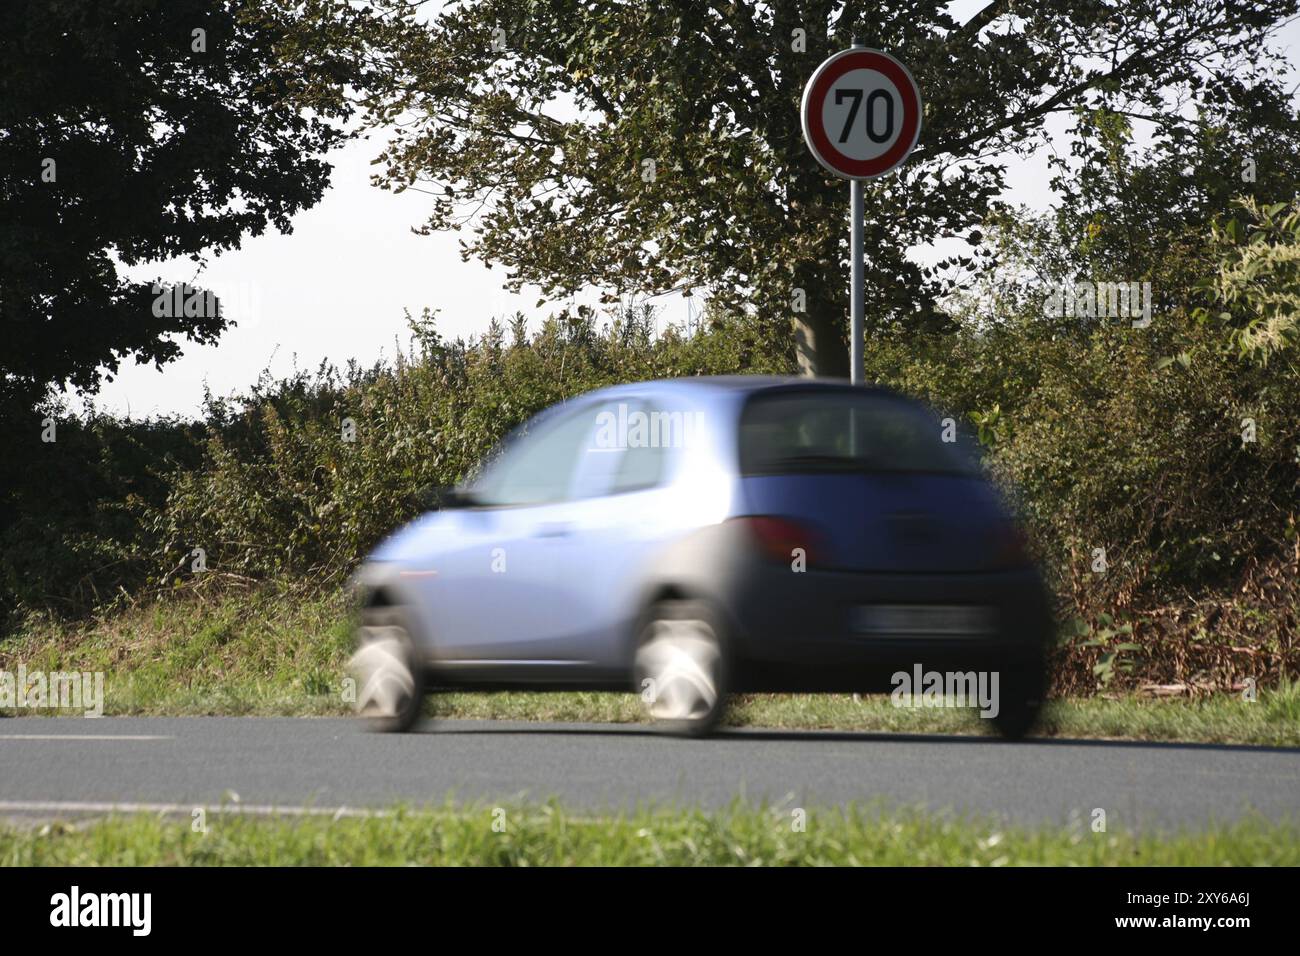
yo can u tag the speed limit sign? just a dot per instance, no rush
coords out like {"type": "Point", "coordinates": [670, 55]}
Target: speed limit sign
{"type": "Point", "coordinates": [861, 113]}
{"type": "Point", "coordinates": [861, 118]}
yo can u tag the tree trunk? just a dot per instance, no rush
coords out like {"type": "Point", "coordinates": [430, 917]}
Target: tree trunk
{"type": "Point", "coordinates": [819, 342]}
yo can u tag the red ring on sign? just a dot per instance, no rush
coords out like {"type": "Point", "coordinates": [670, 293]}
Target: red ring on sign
{"type": "Point", "coordinates": [907, 94]}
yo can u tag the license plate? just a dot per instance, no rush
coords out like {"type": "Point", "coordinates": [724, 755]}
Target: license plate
{"type": "Point", "coordinates": [946, 620]}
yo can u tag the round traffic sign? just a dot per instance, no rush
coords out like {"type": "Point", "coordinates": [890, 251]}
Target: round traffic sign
{"type": "Point", "coordinates": [861, 113]}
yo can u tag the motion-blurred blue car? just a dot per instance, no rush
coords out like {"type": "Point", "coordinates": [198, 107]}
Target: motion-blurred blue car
{"type": "Point", "coordinates": [689, 538]}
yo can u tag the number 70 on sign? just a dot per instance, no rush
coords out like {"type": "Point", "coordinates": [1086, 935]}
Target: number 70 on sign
{"type": "Point", "coordinates": [861, 113]}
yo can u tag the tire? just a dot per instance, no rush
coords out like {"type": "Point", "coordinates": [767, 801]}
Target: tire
{"type": "Point", "coordinates": [1023, 685]}
{"type": "Point", "coordinates": [681, 668]}
{"type": "Point", "coordinates": [390, 684]}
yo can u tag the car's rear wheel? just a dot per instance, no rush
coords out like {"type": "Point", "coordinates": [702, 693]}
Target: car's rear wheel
{"type": "Point", "coordinates": [390, 685]}
{"type": "Point", "coordinates": [681, 668]}
{"type": "Point", "coordinates": [1022, 687]}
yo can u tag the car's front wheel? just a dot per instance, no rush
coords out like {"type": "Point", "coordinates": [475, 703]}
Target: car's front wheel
{"type": "Point", "coordinates": [389, 682]}
{"type": "Point", "coordinates": [681, 668]}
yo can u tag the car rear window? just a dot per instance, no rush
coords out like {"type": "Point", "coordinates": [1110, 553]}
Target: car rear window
{"type": "Point", "coordinates": [840, 430]}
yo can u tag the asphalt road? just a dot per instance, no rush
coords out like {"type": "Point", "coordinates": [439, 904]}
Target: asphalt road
{"type": "Point", "coordinates": [53, 766]}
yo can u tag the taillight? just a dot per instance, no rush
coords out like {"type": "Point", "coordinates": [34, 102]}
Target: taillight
{"type": "Point", "coordinates": [783, 539]}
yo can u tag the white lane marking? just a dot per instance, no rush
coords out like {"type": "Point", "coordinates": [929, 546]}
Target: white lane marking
{"type": "Point", "coordinates": [252, 809]}
{"type": "Point", "coordinates": [83, 737]}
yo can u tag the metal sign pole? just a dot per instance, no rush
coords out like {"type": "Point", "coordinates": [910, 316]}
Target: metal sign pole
{"type": "Point", "coordinates": [857, 370]}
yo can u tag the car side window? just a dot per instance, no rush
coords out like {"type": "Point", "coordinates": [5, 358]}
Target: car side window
{"type": "Point", "coordinates": [538, 467]}
{"type": "Point", "coordinates": [624, 452]}
{"type": "Point", "coordinates": [643, 466]}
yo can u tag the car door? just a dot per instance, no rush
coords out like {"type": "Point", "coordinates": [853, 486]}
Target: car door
{"type": "Point", "coordinates": [621, 514]}
{"type": "Point", "coordinates": [493, 601]}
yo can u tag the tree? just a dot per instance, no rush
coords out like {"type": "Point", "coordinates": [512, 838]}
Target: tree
{"type": "Point", "coordinates": [1133, 209]}
{"type": "Point", "coordinates": [645, 146]}
{"type": "Point", "coordinates": [130, 131]}
{"type": "Point", "coordinates": [1130, 212]}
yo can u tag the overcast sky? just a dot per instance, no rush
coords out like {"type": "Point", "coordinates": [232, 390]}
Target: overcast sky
{"type": "Point", "coordinates": [337, 286]}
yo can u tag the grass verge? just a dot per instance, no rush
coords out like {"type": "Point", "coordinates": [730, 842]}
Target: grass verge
{"type": "Point", "coordinates": [548, 835]}
{"type": "Point", "coordinates": [281, 651]}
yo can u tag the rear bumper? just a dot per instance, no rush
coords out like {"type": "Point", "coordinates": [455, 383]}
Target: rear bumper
{"type": "Point", "coordinates": [799, 630]}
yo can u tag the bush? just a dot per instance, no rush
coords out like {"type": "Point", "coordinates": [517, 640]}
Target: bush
{"type": "Point", "coordinates": [1156, 468]}
{"type": "Point", "coordinates": [74, 511]}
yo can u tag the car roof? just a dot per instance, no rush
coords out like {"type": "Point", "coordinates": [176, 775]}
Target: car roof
{"type": "Point", "coordinates": [733, 386]}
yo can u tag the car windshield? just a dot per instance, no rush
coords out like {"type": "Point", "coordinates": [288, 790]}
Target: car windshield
{"type": "Point", "coordinates": [838, 430]}
{"type": "Point", "coordinates": [535, 463]}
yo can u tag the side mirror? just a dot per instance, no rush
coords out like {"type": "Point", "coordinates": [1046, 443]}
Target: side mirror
{"type": "Point", "coordinates": [443, 497]}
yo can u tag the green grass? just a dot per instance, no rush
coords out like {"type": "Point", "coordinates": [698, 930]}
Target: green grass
{"type": "Point", "coordinates": [262, 652]}
{"type": "Point", "coordinates": [548, 835]}
{"type": "Point", "coordinates": [281, 651]}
